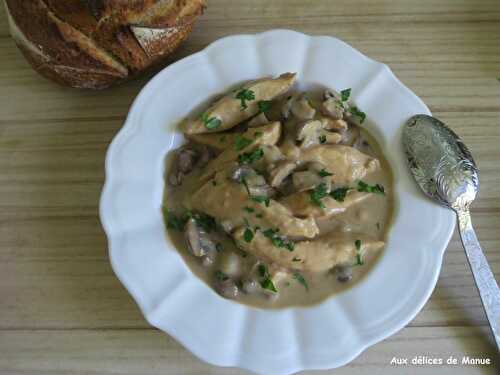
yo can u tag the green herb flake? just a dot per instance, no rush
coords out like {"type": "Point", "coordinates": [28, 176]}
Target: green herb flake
{"type": "Point", "coordinates": [174, 222]}
{"type": "Point", "coordinates": [214, 183]}
{"type": "Point", "coordinates": [258, 134]}
{"type": "Point", "coordinates": [339, 194]}
{"type": "Point", "coordinates": [264, 105]}
{"type": "Point", "coordinates": [297, 276]}
{"type": "Point", "coordinates": [358, 113]}
{"type": "Point", "coordinates": [210, 122]}
{"type": "Point", "coordinates": [248, 235]}
{"type": "Point", "coordinates": [204, 221]}
{"type": "Point", "coordinates": [345, 94]}
{"type": "Point", "coordinates": [242, 142]}
{"type": "Point", "coordinates": [259, 216]}
{"type": "Point", "coordinates": [245, 95]}
{"type": "Point", "coordinates": [322, 139]}
{"type": "Point", "coordinates": [250, 157]}
{"type": "Point", "coordinates": [324, 173]}
{"type": "Point", "coordinates": [249, 209]}
{"type": "Point", "coordinates": [359, 256]}
{"type": "Point", "coordinates": [318, 194]}
{"type": "Point", "coordinates": [277, 240]}
{"type": "Point", "coordinates": [219, 247]}
{"type": "Point", "coordinates": [378, 226]}
{"type": "Point", "coordinates": [262, 270]}
{"type": "Point", "coordinates": [269, 285]}
{"type": "Point", "coordinates": [223, 138]}
{"type": "Point", "coordinates": [261, 199]}
{"type": "Point", "coordinates": [366, 188]}
{"type": "Point", "coordinates": [221, 276]}
{"type": "Point", "coordinates": [296, 259]}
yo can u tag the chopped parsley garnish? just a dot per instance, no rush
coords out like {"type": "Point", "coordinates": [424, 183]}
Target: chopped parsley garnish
{"type": "Point", "coordinates": [261, 199]}
{"type": "Point", "coordinates": [297, 276]}
{"type": "Point", "coordinates": [174, 222]}
{"type": "Point", "coordinates": [264, 105]}
{"type": "Point", "coordinates": [219, 247]}
{"type": "Point", "coordinates": [210, 122]}
{"type": "Point", "coordinates": [214, 182]}
{"type": "Point", "coordinates": [248, 235]}
{"type": "Point", "coordinates": [267, 282]}
{"type": "Point", "coordinates": [219, 275]}
{"type": "Point", "coordinates": [358, 113]}
{"type": "Point", "coordinates": [262, 270]}
{"type": "Point", "coordinates": [345, 94]}
{"type": "Point", "coordinates": [322, 139]}
{"type": "Point", "coordinates": [365, 188]}
{"type": "Point", "coordinates": [324, 173]}
{"type": "Point", "coordinates": [205, 221]}
{"type": "Point", "coordinates": [250, 157]}
{"type": "Point", "coordinates": [259, 216]}
{"type": "Point", "coordinates": [339, 194]}
{"type": "Point", "coordinates": [242, 142]}
{"type": "Point", "coordinates": [269, 285]}
{"type": "Point", "coordinates": [277, 240]}
{"type": "Point", "coordinates": [249, 209]}
{"type": "Point", "coordinates": [245, 95]}
{"type": "Point", "coordinates": [318, 194]}
{"type": "Point", "coordinates": [296, 259]}
{"type": "Point", "coordinates": [359, 256]}
{"type": "Point", "coordinates": [258, 134]}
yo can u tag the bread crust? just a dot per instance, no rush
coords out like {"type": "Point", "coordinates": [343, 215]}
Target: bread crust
{"type": "Point", "coordinates": [86, 45]}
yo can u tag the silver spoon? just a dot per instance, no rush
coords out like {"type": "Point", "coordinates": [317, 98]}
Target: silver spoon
{"type": "Point", "coordinates": [445, 170]}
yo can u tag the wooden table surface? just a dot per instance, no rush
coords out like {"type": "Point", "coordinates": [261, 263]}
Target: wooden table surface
{"type": "Point", "coordinates": [62, 310]}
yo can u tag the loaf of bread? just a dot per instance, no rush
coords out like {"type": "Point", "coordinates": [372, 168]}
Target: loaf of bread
{"type": "Point", "coordinates": [98, 43]}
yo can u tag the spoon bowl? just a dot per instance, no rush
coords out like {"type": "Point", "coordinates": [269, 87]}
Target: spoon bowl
{"type": "Point", "coordinates": [446, 172]}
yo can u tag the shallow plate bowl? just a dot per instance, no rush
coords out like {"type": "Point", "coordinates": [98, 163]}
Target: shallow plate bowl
{"type": "Point", "coordinates": [225, 333]}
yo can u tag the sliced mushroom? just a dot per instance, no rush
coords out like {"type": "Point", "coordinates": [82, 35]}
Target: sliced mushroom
{"type": "Point", "coordinates": [306, 180]}
{"type": "Point", "coordinates": [251, 286]}
{"type": "Point", "coordinates": [302, 108]}
{"type": "Point", "coordinates": [206, 154]}
{"type": "Point", "coordinates": [175, 177]}
{"type": "Point", "coordinates": [227, 288]}
{"type": "Point", "coordinates": [259, 120]}
{"type": "Point", "coordinates": [230, 264]}
{"type": "Point", "coordinates": [333, 105]}
{"type": "Point", "coordinates": [331, 124]}
{"type": "Point", "coordinates": [199, 243]}
{"type": "Point", "coordinates": [350, 136]}
{"type": "Point", "coordinates": [278, 174]}
{"type": "Point", "coordinates": [272, 154]}
{"type": "Point", "coordinates": [242, 172]}
{"type": "Point", "coordinates": [344, 273]}
{"type": "Point", "coordinates": [286, 109]}
{"type": "Point", "coordinates": [186, 160]}
{"type": "Point", "coordinates": [311, 133]}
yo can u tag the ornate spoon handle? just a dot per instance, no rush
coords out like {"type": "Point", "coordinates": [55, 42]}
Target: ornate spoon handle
{"type": "Point", "coordinates": [485, 280]}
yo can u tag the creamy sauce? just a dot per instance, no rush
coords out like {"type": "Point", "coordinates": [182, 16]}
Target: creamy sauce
{"type": "Point", "coordinates": [370, 218]}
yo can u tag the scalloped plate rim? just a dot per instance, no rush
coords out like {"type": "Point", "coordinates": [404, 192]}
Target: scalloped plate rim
{"type": "Point", "coordinates": [126, 131]}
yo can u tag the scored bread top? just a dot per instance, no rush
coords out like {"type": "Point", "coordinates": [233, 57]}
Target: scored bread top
{"type": "Point", "coordinates": [99, 37]}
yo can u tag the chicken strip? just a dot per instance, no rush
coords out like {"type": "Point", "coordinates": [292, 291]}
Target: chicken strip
{"type": "Point", "coordinates": [318, 255]}
{"type": "Point", "coordinates": [248, 141]}
{"type": "Point", "coordinates": [239, 105]}
{"type": "Point", "coordinates": [346, 163]}
{"type": "Point", "coordinates": [229, 201]}
{"type": "Point", "coordinates": [300, 204]}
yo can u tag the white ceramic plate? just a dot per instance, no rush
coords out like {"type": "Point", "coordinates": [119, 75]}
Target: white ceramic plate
{"type": "Point", "coordinates": [225, 333]}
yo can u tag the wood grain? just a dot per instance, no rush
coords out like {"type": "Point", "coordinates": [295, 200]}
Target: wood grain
{"type": "Point", "coordinates": [148, 352]}
{"type": "Point", "coordinates": [62, 310]}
